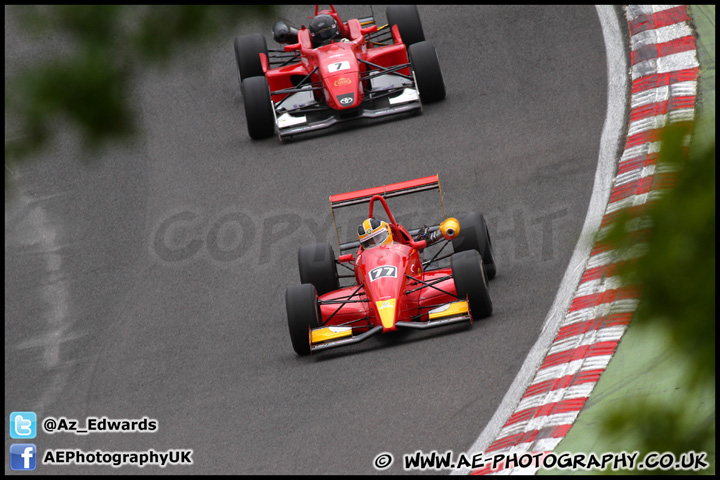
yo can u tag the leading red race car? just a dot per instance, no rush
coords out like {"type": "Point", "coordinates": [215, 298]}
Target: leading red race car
{"type": "Point", "coordinates": [393, 287]}
{"type": "Point", "coordinates": [334, 71]}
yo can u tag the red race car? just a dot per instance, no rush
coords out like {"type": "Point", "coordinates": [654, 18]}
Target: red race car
{"type": "Point", "coordinates": [393, 288]}
{"type": "Point", "coordinates": [334, 71]}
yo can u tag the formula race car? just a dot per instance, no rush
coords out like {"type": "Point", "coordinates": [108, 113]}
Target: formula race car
{"type": "Point", "coordinates": [393, 288]}
{"type": "Point", "coordinates": [335, 71]}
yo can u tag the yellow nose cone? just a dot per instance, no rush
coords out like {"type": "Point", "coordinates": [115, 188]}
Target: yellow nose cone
{"type": "Point", "coordinates": [450, 228]}
{"type": "Point", "coordinates": [386, 309]}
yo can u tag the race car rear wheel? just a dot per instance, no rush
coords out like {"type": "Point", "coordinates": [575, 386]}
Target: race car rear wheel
{"type": "Point", "coordinates": [258, 107]}
{"type": "Point", "coordinates": [471, 281]}
{"type": "Point", "coordinates": [428, 75]}
{"type": "Point", "coordinates": [407, 18]}
{"type": "Point", "coordinates": [247, 50]}
{"type": "Point", "coordinates": [474, 235]}
{"type": "Point", "coordinates": [303, 313]}
{"type": "Point", "coordinates": [317, 266]}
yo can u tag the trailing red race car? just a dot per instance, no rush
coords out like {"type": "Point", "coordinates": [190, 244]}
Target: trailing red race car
{"type": "Point", "coordinates": [335, 71]}
{"type": "Point", "coordinates": [393, 287]}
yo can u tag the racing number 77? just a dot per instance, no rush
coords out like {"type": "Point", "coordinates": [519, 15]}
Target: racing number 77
{"type": "Point", "coordinates": [384, 271]}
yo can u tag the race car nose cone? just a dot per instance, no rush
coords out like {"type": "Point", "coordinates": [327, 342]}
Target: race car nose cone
{"type": "Point", "coordinates": [346, 100]}
{"type": "Point", "coordinates": [386, 310]}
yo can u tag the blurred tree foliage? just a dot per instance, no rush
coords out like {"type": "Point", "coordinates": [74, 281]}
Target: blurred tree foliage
{"type": "Point", "coordinates": [676, 273]}
{"type": "Point", "coordinates": [87, 85]}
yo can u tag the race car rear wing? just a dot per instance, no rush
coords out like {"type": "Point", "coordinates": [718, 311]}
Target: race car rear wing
{"type": "Point", "coordinates": [386, 191]}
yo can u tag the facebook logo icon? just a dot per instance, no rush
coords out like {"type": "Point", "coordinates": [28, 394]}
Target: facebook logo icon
{"type": "Point", "coordinates": [23, 425]}
{"type": "Point", "coordinates": [23, 456]}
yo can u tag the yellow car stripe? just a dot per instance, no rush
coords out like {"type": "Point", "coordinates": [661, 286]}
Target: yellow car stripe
{"type": "Point", "coordinates": [449, 310]}
{"type": "Point", "coordinates": [324, 334]}
{"type": "Point", "coordinates": [386, 309]}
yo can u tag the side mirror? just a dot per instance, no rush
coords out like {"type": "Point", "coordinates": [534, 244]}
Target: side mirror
{"type": "Point", "coordinates": [348, 257]}
{"type": "Point", "coordinates": [284, 34]}
{"type": "Point", "coordinates": [450, 228]}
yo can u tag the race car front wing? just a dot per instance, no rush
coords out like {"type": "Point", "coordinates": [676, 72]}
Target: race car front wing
{"type": "Point", "coordinates": [391, 93]}
{"type": "Point", "coordinates": [325, 337]}
{"type": "Point", "coordinates": [290, 123]}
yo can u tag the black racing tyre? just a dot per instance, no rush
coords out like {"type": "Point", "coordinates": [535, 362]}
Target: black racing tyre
{"type": "Point", "coordinates": [428, 75]}
{"type": "Point", "coordinates": [317, 266]}
{"type": "Point", "coordinates": [471, 281]}
{"type": "Point", "coordinates": [247, 50]}
{"type": "Point", "coordinates": [258, 107]}
{"type": "Point", "coordinates": [303, 313]}
{"type": "Point", "coordinates": [407, 18]}
{"type": "Point", "coordinates": [474, 235]}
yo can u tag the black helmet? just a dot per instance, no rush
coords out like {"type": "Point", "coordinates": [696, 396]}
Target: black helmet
{"type": "Point", "coordinates": [322, 29]}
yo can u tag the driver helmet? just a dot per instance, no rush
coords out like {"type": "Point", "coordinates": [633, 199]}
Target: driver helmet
{"type": "Point", "coordinates": [322, 29]}
{"type": "Point", "coordinates": [374, 232]}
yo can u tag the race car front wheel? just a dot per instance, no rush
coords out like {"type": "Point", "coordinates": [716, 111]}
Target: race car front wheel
{"type": "Point", "coordinates": [428, 75]}
{"type": "Point", "coordinates": [247, 55]}
{"type": "Point", "coordinates": [303, 313]}
{"type": "Point", "coordinates": [317, 266]}
{"type": "Point", "coordinates": [470, 280]}
{"type": "Point", "coordinates": [258, 107]}
{"type": "Point", "coordinates": [407, 18]}
{"type": "Point", "coordinates": [474, 235]}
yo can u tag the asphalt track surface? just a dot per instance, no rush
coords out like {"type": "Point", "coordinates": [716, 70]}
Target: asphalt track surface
{"type": "Point", "coordinates": [151, 283]}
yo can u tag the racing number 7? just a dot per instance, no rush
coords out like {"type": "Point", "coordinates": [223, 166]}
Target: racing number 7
{"type": "Point", "coordinates": [336, 67]}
